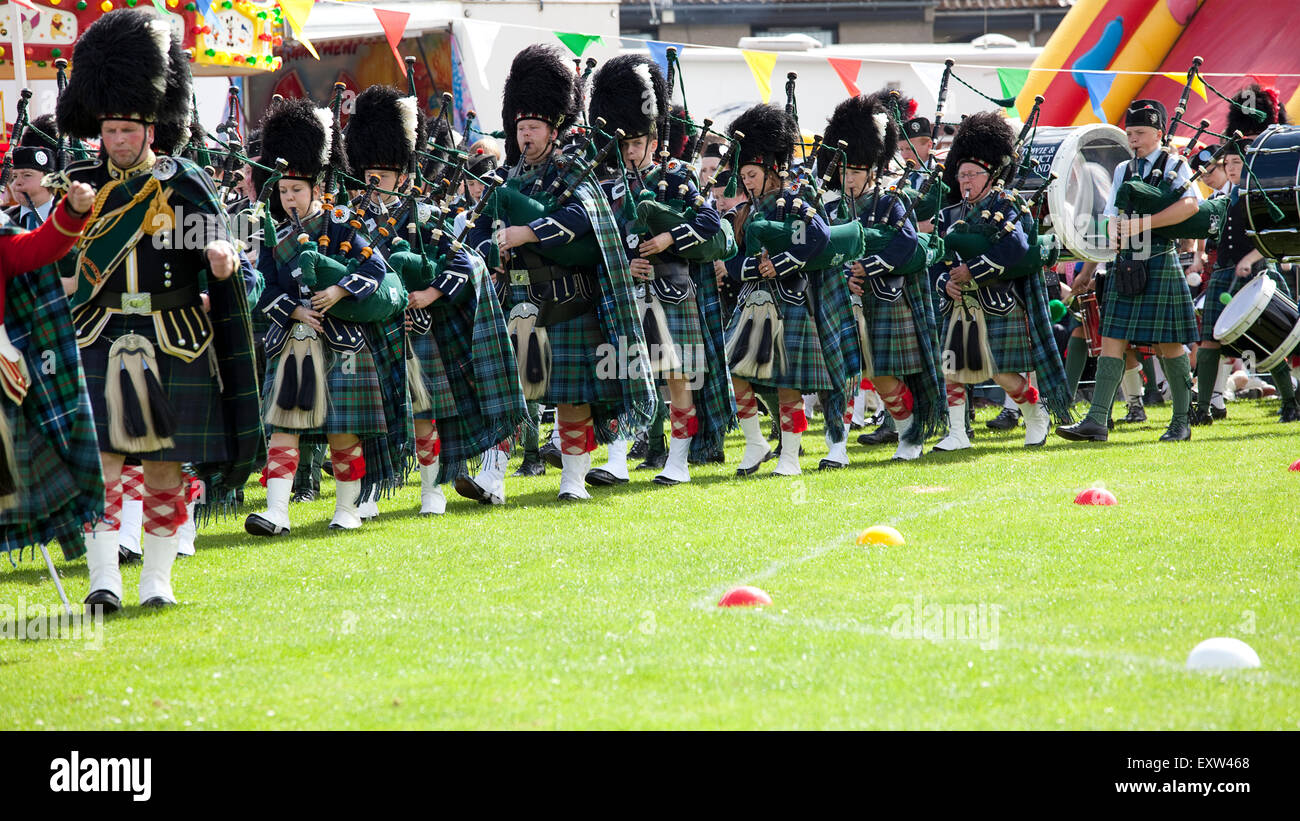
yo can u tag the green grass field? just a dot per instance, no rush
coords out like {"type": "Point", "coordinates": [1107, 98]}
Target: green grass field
{"type": "Point", "coordinates": [602, 615]}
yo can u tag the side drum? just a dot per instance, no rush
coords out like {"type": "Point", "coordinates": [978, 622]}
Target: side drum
{"type": "Point", "coordinates": [1274, 177]}
{"type": "Point", "coordinates": [1262, 320]}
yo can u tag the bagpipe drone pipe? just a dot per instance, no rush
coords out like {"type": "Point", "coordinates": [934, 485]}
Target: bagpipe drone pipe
{"type": "Point", "coordinates": [519, 201]}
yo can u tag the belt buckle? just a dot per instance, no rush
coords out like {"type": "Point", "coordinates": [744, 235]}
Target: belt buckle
{"type": "Point", "coordinates": [519, 276]}
{"type": "Point", "coordinates": [137, 303]}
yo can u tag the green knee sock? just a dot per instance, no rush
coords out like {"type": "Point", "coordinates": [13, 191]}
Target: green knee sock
{"type": "Point", "coordinates": [655, 444]}
{"type": "Point", "coordinates": [1207, 372]}
{"type": "Point", "coordinates": [1149, 370]}
{"type": "Point", "coordinates": [1110, 370]}
{"type": "Point", "coordinates": [531, 432]}
{"type": "Point", "coordinates": [1179, 373]}
{"type": "Point", "coordinates": [1076, 359]}
{"type": "Point", "coordinates": [1282, 378]}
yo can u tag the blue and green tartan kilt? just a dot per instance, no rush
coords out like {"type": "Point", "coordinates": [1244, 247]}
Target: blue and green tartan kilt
{"type": "Point", "coordinates": [1009, 341]}
{"type": "Point", "coordinates": [1226, 281]}
{"type": "Point", "coordinates": [687, 334]}
{"type": "Point", "coordinates": [190, 386]}
{"type": "Point", "coordinates": [895, 349]}
{"type": "Point", "coordinates": [425, 349]}
{"type": "Point", "coordinates": [1162, 313]}
{"type": "Point", "coordinates": [355, 400]}
{"type": "Point", "coordinates": [576, 364]}
{"type": "Point", "coordinates": [805, 366]}
{"type": "Point", "coordinates": [44, 482]}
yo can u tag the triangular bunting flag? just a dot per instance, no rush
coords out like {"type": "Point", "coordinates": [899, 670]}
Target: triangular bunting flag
{"type": "Point", "coordinates": [296, 13]}
{"type": "Point", "coordinates": [481, 36]}
{"type": "Point", "coordinates": [659, 52]}
{"type": "Point", "coordinates": [761, 64]}
{"type": "Point", "coordinates": [1098, 85]}
{"type": "Point", "coordinates": [1198, 85]}
{"type": "Point", "coordinates": [848, 70]}
{"type": "Point", "coordinates": [1012, 80]}
{"type": "Point", "coordinates": [394, 24]}
{"type": "Point", "coordinates": [577, 43]}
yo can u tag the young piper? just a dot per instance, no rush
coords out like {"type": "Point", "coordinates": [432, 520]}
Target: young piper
{"type": "Point", "coordinates": [898, 311]}
{"type": "Point", "coordinates": [1157, 311]}
{"type": "Point", "coordinates": [773, 337]}
{"type": "Point", "coordinates": [629, 93]}
{"type": "Point", "coordinates": [325, 374]}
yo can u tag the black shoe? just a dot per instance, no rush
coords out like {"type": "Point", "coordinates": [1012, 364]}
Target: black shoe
{"type": "Point", "coordinates": [639, 447]}
{"type": "Point", "coordinates": [654, 461]}
{"type": "Point", "coordinates": [257, 525]}
{"type": "Point", "coordinates": [601, 478]}
{"type": "Point", "coordinates": [1290, 412]}
{"type": "Point", "coordinates": [157, 602]}
{"type": "Point", "coordinates": [1218, 413]}
{"type": "Point", "coordinates": [830, 464]}
{"type": "Point", "coordinates": [530, 467]}
{"type": "Point", "coordinates": [1083, 431]}
{"type": "Point", "coordinates": [1199, 417]}
{"type": "Point", "coordinates": [327, 468]}
{"type": "Point", "coordinates": [1006, 420]}
{"type": "Point", "coordinates": [466, 486]}
{"type": "Point", "coordinates": [775, 435]}
{"type": "Point", "coordinates": [125, 556]}
{"type": "Point", "coordinates": [717, 457]}
{"type": "Point", "coordinates": [776, 452]}
{"type": "Point", "coordinates": [551, 455]}
{"type": "Point", "coordinates": [103, 601]}
{"type": "Point", "coordinates": [1177, 432]}
{"type": "Point", "coordinates": [304, 495]}
{"type": "Point", "coordinates": [881, 436]}
{"type": "Point", "coordinates": [1136, 413]}
{"type": "Point", "coordinates": [1153, 397]}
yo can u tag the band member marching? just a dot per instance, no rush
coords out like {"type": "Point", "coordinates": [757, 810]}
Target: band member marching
{"type": "Point", "coordinates": [629, 93]}
{"type": "Point", "coordinates": [51, 485]}
{"type": "Point", "coordinates": [328, 377]}
{"type": "Point", "coordinates": [1237, 259]}
{"type": "Point", "coordinates": [773, 341]}
{"type": "Point", "coordinates": [170, 382]}
{"type": "Point", "coordinates": [383, 134]}
{"type": "Point", "coordinates": [1146, 298]}
{"type": "Point", "coordinates": [1008, 313]}
{"type": "Point", "coordinates": [577, 335]}
{"type": "Point", "coordinates": [898, 311]}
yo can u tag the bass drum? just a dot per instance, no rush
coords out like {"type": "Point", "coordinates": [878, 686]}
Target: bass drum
{"type": "Point", "coordinates": [1274, 162]}
{"type": "Point", "coordinates": [1084, 159]}
{"type": "Point", "coordinates": [1262, 319]}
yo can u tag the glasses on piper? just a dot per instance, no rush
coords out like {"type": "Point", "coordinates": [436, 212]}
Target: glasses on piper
{"type": "Point", "coordinates": [971, 175]}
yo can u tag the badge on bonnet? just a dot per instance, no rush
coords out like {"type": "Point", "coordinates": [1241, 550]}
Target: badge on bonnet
{"type": "Point", "coordinates": [42, 158]}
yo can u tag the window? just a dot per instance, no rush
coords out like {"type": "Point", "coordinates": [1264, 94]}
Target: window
{"type": "Point", "coordinates": [826, 35]}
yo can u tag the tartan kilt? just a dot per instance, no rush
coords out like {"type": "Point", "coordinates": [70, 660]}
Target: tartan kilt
{"type": "Point", "coordinates": [1009, 341]}
{"type": "Point", "coordinates": [44, 485]}
{"type": "Point", "coordinates": [425, 349]}
{"type": "Point", "coordinates": [1160, 314]}
{"type": "Point", "coordinates": [1226, 281]}
{"type": "Point", "coordinates": [354, 399]}
{"type": "Point", "coordinates": [805, 366]}
{"type": "Point", "coordinates": [200, 422]}
{"type": "Point", "coordinates": [895, 349]}
{"type": "Point", "coordinates": [687, 333]}
{"type": "Point", "coordinates": [575, 364]}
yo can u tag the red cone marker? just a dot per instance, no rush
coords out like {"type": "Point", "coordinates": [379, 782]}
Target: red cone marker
{"type": "Point", "coordinates": [1095, 496]}
{"type": "Point", "coordinates": [744, 596]}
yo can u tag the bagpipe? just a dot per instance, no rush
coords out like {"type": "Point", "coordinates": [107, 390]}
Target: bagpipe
{"type": "Point", "coordinates": [1139, 197]}
{"type": "Point", "coordinates": [16, 135]}
{"type": "Point", "coordinates": [520, 202]}
{"type": "Point", "coordinates": [325, 263]}
{"type": "Point", "coordinates": [656, 209]}
{"type": "Point", "coordinates": [974, 236]}
{"type": "Point", "coordinates": [926, 202]}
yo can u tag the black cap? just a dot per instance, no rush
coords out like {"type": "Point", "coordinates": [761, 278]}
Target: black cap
{"type": "Point", "coordinates": [918, 127]}
{"type": "Point", "coordinates": [1149, 113]}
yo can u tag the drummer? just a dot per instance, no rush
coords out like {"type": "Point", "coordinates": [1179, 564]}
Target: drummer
{"type": "Point", "coordinates": [1159, 310]}
{"type": "Point", "coordinates": [1238, 261]}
